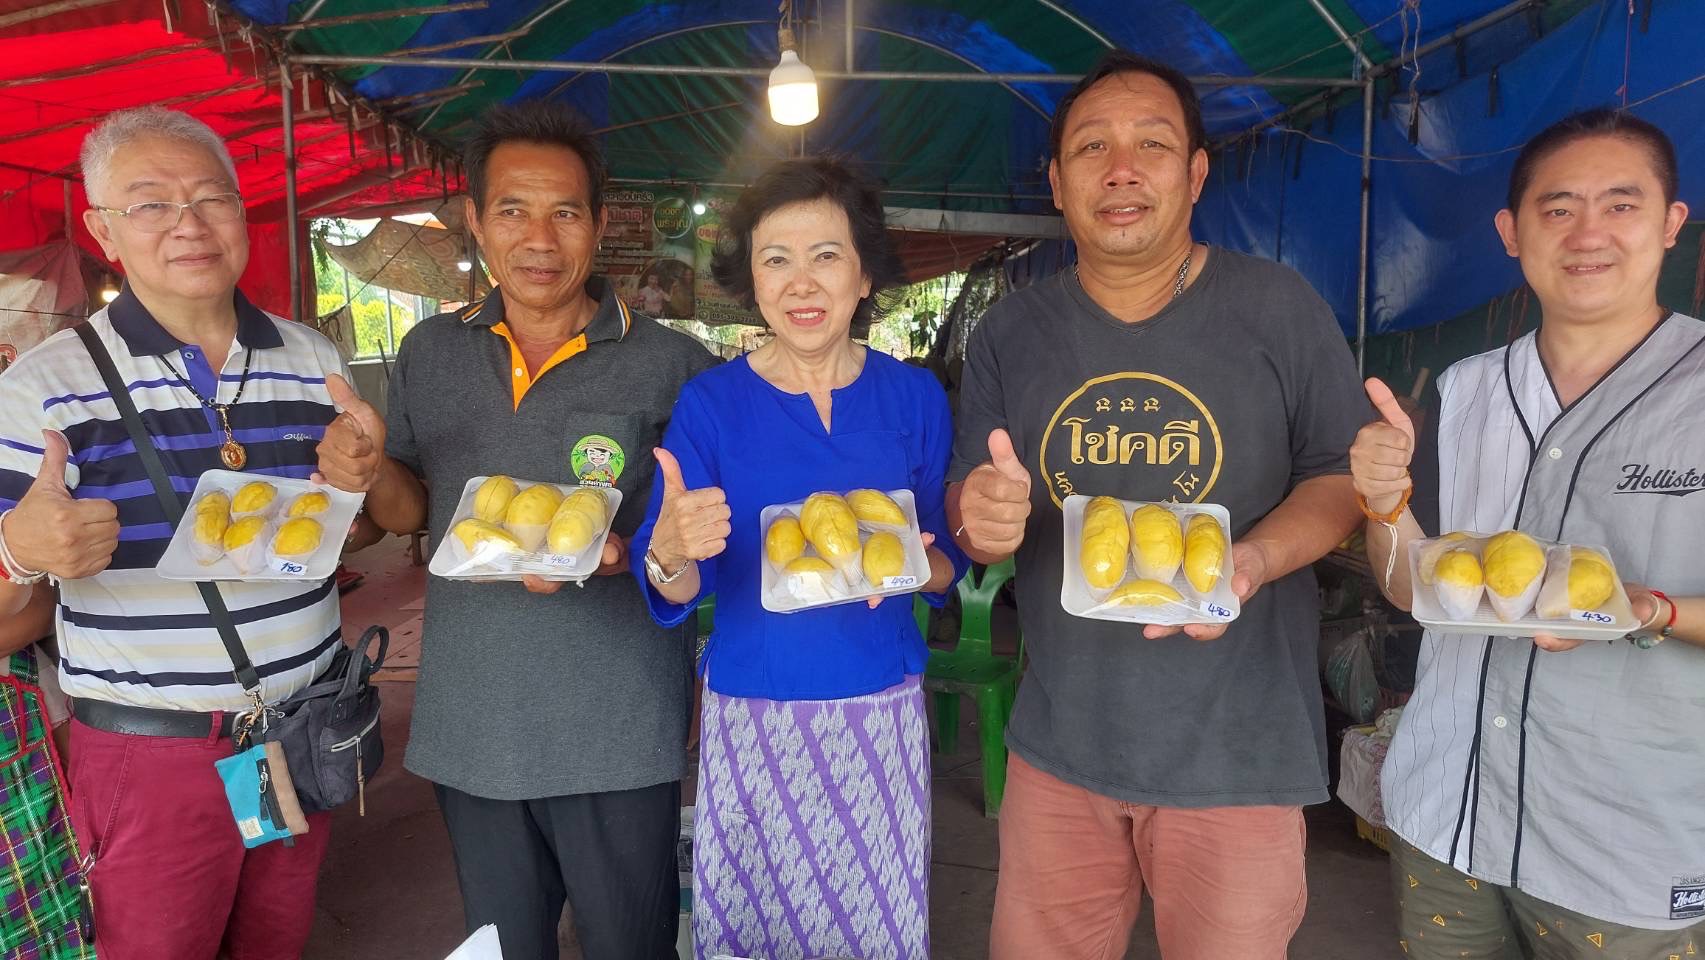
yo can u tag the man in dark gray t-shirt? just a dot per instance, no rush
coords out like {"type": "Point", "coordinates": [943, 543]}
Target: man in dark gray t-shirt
{"type": "Point", "coordinates": [1160, 370]}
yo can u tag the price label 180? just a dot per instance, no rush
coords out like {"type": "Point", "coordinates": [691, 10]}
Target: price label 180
{"type": "Point", "coordinates": [1592, 616]}
{"type": "Point", "coordinates": [290, 567]}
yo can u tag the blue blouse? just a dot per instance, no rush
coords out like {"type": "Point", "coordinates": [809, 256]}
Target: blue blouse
{"type": "Point", "coordinates": [733, 429]}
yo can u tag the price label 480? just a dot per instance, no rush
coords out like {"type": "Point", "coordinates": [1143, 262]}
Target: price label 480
{"type": "Point", "coordinates": [1215, 610]}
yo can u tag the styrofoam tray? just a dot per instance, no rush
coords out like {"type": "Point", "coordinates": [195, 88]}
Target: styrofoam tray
{"type": "Point", "coordinates": [452, 561]}
{"type": "Point", "coordinates": [179, 562]}
{"type": "Point", "coordinates": [1612, 620]}
{"type": "Point", "coordinates": [782, 594]}
{"type": "Point", "coordinates": [1219, 605]}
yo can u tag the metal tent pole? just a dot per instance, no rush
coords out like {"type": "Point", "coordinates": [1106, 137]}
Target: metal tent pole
{"type": "Point", "coordinates": [695, 70]}
{"type": "Point", "coordinates": [295, 252]}
{"type": "Point", "coordinates": [1367, 202]}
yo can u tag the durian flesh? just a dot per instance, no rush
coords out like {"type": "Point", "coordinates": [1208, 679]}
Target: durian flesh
{"type": "Point", "coordinates": [1204, 552]}
{"type": "Point", "coordinates": [874, 506]}
{"type": "Point", "coordinates": [884, 556]}
{"type": "Point", "coordinates": [297, 537]}
{"type": "Point", "coordinates": [1157, 542]}
{"type": "Point", "coordinates": [491, 500]}
{"type": "Point", "coordinates": [1103, 545]}
{"type": "Point", "coordinates": [1143, 592]}
{"type": "Point", "coordinates": [784, 542]}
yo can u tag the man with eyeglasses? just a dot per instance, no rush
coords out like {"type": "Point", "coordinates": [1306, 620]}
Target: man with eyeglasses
{"type": "Point", "coordinates": [219, 384]}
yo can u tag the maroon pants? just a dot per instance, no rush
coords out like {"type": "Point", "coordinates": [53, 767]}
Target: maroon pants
{"type": "Point", "coordinates": [171, 877]}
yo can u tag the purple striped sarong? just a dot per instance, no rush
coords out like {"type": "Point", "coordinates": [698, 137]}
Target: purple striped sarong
{"type": "Point", "coordinates": [811, 833]}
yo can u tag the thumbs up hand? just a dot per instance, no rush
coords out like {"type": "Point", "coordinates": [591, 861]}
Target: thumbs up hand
{"type": "Point", "coordinates": [52, 531]}
{"type": "Point", "coordinates": [1379, 459]}
{"type": "Point", "coordinates": [353, 447]}
{"type": "Point", "coordinates": [995, 501]}
{"type": "Point", "coordinates": [691, 524]}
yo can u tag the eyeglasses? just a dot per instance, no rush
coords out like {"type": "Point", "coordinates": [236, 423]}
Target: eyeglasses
{"type": "Point", "coordinates": [158, 216]}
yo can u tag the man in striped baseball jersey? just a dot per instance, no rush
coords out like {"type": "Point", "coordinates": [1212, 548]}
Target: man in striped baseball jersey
{"type": "Point", "coordinates": [1546, 793]}
{"type": "Point", "coordinates": [151, 684]}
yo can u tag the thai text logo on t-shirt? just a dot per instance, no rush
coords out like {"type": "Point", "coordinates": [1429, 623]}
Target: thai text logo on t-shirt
{"type": "Point", "coordinates": [1135, 435]}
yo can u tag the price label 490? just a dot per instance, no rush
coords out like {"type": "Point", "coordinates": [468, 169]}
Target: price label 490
{"type": "Point", "coordinates": [1592, 616]}
{"type": "Point", "coordinates": [895, 583]}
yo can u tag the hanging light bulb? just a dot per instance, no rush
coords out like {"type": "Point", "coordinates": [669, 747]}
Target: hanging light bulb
{"type": "Point", "coordinates": [698, 208]}
{"type": "Point", "coordinates": [793, 87]}
{"type": "Point", "coordinates": [464, 266]}
{"type": "Point", "coordinates": [109, 293]}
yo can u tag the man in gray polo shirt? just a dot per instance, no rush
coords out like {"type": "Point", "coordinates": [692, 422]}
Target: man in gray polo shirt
{"type": "Point", "coordinates": [553, 722]}
{"type": "Point", "coordinates": [1549, 795]}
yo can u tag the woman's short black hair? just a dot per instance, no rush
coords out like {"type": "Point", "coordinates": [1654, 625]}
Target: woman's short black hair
{"type": "Point", "coordinates": [1598, 122]}
{"type": "Point", "coordinates": [1117, 62]}
{"type": "Point", "coordinates": [802, 181]}
{"type": "Point", "coordinates": [547, 122]}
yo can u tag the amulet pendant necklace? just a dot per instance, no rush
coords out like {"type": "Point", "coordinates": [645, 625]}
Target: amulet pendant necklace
{"type": "Point", "coordinates": [231, 453]}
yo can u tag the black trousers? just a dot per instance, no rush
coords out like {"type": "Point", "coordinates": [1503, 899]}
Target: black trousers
{"type": "Point", "coordinates": [610, 855]}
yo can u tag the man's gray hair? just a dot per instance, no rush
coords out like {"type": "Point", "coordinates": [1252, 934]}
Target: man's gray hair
{"type": "Point", "coordinates": [122, 128]}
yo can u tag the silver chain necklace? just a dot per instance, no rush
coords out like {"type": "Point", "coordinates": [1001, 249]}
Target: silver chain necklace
{"type": "Point", "coordinates": [1177, 285]}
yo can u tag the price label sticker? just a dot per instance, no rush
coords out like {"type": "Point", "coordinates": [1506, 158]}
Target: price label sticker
{"type": "Point", "coordinates": [896, 583]}
{"type": "Point", "coordinates": [1592, 616]}
{"type": "Point", "coordinates": [564, 561]}
{"type": "Point", "coordinates": [1215, 610]}
{"type": "Point", "coordinates": [290, 567]}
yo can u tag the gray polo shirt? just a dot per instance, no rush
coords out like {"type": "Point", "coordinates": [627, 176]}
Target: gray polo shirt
{"type": "Point", "coordinates": [520, 695]}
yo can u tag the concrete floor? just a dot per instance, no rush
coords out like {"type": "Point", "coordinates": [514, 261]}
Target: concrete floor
{"type": "Point", "coordinates": [388, 890]}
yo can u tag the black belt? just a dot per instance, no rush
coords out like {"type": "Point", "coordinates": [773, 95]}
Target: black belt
{"type": "Point", "coordinates": [146, 722]}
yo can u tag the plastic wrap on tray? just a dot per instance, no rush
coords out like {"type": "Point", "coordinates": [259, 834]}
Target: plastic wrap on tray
{"type": "Point", "coordinates": [239, 526]}
{"type": "Point", "coordinates": [504, 529]}
{"type": "Point", "coordinates": [836, 548]}
{"type": "Point", "coordinates": [1160, 563]}
{"type": "Point", "coordinates": [1513, 584]}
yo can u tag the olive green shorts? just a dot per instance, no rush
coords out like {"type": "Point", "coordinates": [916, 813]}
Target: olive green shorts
{"type": "Point", "coordinates": [1444, 914]}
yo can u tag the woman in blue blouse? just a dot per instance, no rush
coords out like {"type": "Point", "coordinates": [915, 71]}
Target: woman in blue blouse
{"type": "Point", "coordinates": [811, 835]}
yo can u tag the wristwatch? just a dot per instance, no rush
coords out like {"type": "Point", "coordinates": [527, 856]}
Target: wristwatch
{"type": "Point", "coordinates": [654, 569]}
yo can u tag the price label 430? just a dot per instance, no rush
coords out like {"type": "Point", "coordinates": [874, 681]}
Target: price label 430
{"type": "Point", "coordinates": [1592, 616]}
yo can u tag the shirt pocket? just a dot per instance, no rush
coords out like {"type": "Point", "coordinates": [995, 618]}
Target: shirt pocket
{"type": "Point", "coordinates": [611, 449]}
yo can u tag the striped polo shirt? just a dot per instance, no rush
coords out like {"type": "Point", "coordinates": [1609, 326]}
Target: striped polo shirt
{"type": "Point", "coordinates": [125, 634]}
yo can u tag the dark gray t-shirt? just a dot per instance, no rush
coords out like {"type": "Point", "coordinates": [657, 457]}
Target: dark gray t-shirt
{"type": "Point", "coordinates": [1233, 394]}
{"type": "Point", "coordinates": [521, 695]}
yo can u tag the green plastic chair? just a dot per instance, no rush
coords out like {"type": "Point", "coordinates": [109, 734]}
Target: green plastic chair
{"type": "Point", "coordinates": [972, 669]}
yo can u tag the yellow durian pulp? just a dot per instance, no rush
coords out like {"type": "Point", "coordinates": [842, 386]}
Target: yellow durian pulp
{"type": "Point", "coordinates": [1204, 552]}
{"type": "Point", "coordinates": [1157, 542]}
{"type": "Point", "coordinates": [297, 537]}
{"type": "Point", "coordinates": [1105, 540]}
{"type": "Point", "coordinates": [874, 506]}
{"type": "Point", "coordinates": [1144, 593]}
{"type": "Point", "coordinates": [242, 533]}
{"type": "Point", "coordinates": [1592, 580]}
{"type": "Point", "coordinates": [884, 556]}
{"type": "Point", "coordinates": [491, 500]}
{"type": "Point", "coordinates": [310, 504]}
{"type": "Point", "coordinates": [1512, 561]}
{"type": "Point", "coordinates": [532, 507]}
{"type": "Point", "coordinates": [474, 532]}
{"type": "Point", "coordinates": [253, 496]}
{"type": "Point", "coordinates": [784, 541]}
{"type": "Point", "coordinates": [830, 526]}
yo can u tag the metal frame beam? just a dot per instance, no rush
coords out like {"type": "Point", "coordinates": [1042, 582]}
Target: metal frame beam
{"type": "Point", "coordinates": [656, 69]}
{"type": "Point", "coordinates": [965, 221]}
{"type": "Point", "coordinates": [382, 15]}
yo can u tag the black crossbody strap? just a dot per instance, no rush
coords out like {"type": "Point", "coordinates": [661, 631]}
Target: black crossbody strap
{"type": "Point", "coordinates": [242, 668]}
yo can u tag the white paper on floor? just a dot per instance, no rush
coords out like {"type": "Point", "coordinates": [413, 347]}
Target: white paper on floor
{"type": "Point", "coordinates": [483, 945]}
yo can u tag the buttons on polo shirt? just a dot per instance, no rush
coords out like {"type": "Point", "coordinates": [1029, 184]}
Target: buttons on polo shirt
{"type": "Point", "coordinates": [1555, 453]}
{"type": "Point", "coordinates": [519, 372]}
{"type": "Point", "coordinates": [1500, 722]}
{"type": "Point", "coordinates": [189, 354]}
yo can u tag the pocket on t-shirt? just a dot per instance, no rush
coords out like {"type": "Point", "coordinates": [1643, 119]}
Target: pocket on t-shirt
{"type": "Point", "coordinates": [610, 449]}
